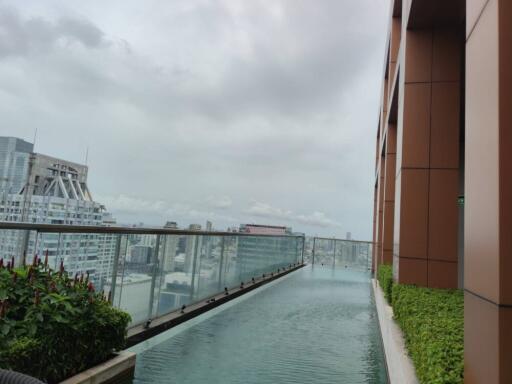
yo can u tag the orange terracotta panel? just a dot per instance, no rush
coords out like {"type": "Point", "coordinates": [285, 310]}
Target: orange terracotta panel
{"type": "Point", "coordinates": [396, 218]}
{"type": "Point", "coordinates": [396, 29]}
{"type": "Point", "coordinates": [391, 139]}
{"type": "Point", "coordinates": [387, 256]}
{"type": "Point", "coordinates": [446, 54]}
{"type": "Point", "coordinates": [445, 125]}
{"type": "Point", "coordinates": [416, 126]}
{"type": "Point", "coordinates": [387, 229]}
{"type": "Point", "coordinates": [443, 214]}
{"type": "Point", "coordinates": [481, 210]}
{"type": "Point", "coordinates": [413, 225]}
{"type": "Point", "coordinates": [389, 189]}
{"type": "Point", "coordinates": [505, 344]}
{"type": "Point", "coordinates": [391, 77]}
{"type": "Point", "coordinates": [412, 271]}
{"type": "Point", "coordinates": [481, 341]}
{"type": "Point", "coordinates": [442, 274]}
{"type": "Point", "coordinates": [418, 56]}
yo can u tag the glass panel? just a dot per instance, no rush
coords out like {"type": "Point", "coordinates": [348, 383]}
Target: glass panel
{"type": "Point", "coordinates": [150, 275]}
{"type": "Point", "coordinates": [135, 275]}
{"type": "Point", "coordinates": [175, 275]}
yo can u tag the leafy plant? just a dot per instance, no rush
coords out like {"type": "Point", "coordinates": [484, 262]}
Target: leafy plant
{"type": "Point", "coordinates": [432, 321]}
{"type": "Point", "coordinates": [51, 326]}
{"type": "Point", "coordinates": [385, 277]}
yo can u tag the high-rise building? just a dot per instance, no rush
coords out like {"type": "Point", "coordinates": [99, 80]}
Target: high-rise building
{"type": "Point", "coordinates": [257, 254]}
{"type": "Point", "coordinates": [443, 190]}
{"type": "Point", "coordinates": [193, 245]}
{"type": "Point", "coordinates": [170, 247]}
{"type": "Point", "coordinates": [14, 162]}
{"type": "Point", "coordinates": [36, 188]}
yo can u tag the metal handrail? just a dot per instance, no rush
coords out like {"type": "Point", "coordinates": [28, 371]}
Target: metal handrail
{"type": "Point", "coordinates": [67, 228]}
{"type": "Point", "coordinates": [350, 241]}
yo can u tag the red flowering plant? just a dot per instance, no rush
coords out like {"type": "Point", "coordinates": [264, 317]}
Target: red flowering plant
{"type": "Point", "coordinates": [53, 326]}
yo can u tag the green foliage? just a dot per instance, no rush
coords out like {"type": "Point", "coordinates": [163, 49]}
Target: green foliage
{"type": "Point", "coordinates": [51, 326]}
{"type": "Point", "coordinates": [432, 321]}
{"type": "Point", "coordinates": [385, 277]}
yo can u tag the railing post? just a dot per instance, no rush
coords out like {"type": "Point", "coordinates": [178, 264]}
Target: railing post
{"type": "Point", "coordinates": [193, 280]}
{"type": "Point", "coordinates": [221, 264]}
{"type": "Point", "coordinates": [313, 252]}
{"type": "Point", "coordinates": [334, 254]}
{"type": "Point", "coordinates": [114, 269]}
{"type": "Point", "coordinates": [35, 241]}
{"type": "Point", "coordinates": [303, 248]}
{"type": "Point", "coordinates": [58, 250]}
{"type": "Point", "coordinates": [154, 270]}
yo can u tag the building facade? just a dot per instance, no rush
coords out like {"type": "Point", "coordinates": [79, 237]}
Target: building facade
{"type": "Point", "coordinates": [443, 176]}
{"type": "Point", "coordinates": [36, 188]}
{"type": "Point", "coordinates": [256, 254]}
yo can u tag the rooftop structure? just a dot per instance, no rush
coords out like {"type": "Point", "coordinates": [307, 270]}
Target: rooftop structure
{"type": "Point", "coordinates": [37, 188]}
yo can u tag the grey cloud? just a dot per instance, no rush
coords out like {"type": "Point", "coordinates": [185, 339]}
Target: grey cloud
{"type": "Point", "coordinates": [81, 30]}
{"type": "Point", "coordinates": [19, 36]}
{"type": "Point", "coordinates": [190, 109]}
{"type": "Point", "coordinates": [315, 219]}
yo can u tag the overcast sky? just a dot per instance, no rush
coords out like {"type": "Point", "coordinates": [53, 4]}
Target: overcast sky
{"type": "Point", "coordinates": [236, 111]}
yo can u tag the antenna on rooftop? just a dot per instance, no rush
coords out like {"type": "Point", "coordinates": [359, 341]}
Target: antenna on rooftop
{"type": "Point", "coordinates": [35, 137]}
{"type": "Point", "coordinates": [86, 154]}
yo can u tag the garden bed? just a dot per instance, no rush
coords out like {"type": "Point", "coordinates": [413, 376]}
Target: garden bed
{"type": "Point", "coordinates": [432, 321]}
{"type": "Point", "coordinates": [52, 326]}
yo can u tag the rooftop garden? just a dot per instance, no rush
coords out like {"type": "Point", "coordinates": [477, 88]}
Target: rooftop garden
{"type": "Point", "coordinates": [432, 321]}
{"type": "Point", "coordinates": [53, 326]}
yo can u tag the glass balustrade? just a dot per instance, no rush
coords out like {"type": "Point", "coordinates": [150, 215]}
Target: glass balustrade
{"type": "Point", "coordinates": [152, 274]}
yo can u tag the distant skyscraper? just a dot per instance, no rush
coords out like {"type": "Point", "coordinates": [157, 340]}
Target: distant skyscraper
{"type": "Point", "coordinates": [36, 188]}
{"type": "Point", "coordinates": [14, 163]}
{"type": "Point", "coordinates": [208, 240]}
{"type": "Point", "coordinates": [170, 247]}
{"type": "Point", "coordinates": [192, 243]}
{"type": "Point", "coordinates": [259, 254]}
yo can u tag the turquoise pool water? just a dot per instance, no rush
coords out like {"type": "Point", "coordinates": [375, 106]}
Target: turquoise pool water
{"type": "Point", "coordinates": [317, 325]}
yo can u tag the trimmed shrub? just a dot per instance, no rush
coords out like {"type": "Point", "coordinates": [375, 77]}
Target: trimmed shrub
{"type": "Point", "coordinates": [385, 277]}
{"type": "Point", "coordinates": [432, 321]}
{"type": "Point", "coordinates": [53, 327]}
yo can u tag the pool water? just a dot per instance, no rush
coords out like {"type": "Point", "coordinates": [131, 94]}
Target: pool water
{"type": "Point", "coordinates": [317, 325]}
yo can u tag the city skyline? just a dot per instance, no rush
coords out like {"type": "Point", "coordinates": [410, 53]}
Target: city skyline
{"type": "Point", "coordinates": [199, 131]}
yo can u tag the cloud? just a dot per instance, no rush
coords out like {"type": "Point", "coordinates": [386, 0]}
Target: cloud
{"type": "Point", "coordinates": [20, 37]}
{"type": "Point", "coordinates": [157, 211]}
{"type": "Point", "coordinates": [189, 109]}
{"type": "Point", "coordinates": [315, 219]}
{"type": "Point", "coordinates": [128, 204]}
{"type": "Point", "coordinates": [219, 202]}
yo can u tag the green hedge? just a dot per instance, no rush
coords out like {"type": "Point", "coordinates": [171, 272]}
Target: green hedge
{"type": "Point", "coordinates": [51, 326]}
{"type": "Point", "coordinates": [432, 321]}
{"type": "Point", "coordinates": [385, 277]}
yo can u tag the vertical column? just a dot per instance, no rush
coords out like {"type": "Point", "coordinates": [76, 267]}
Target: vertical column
{"type": "Point", "coordinates": [488, 200]}
{"type": "Point", "coordinates": [389, 196]}
{"type": "Point", "coordinates": [374, 238]}
{"type": "Point", "coordinates": [380, 211]}
{"type": "Point", "coordinates": [426, 216]}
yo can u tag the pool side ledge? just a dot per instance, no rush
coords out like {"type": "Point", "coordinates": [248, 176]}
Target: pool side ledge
{"type": "Point", "coordinates": [119, 369]}
{"type": "Point", "coordinates": [399, 364]}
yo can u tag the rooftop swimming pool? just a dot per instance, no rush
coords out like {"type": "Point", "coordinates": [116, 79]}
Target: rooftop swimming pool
{"type": "Point", "coordinates": [316, 325]}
